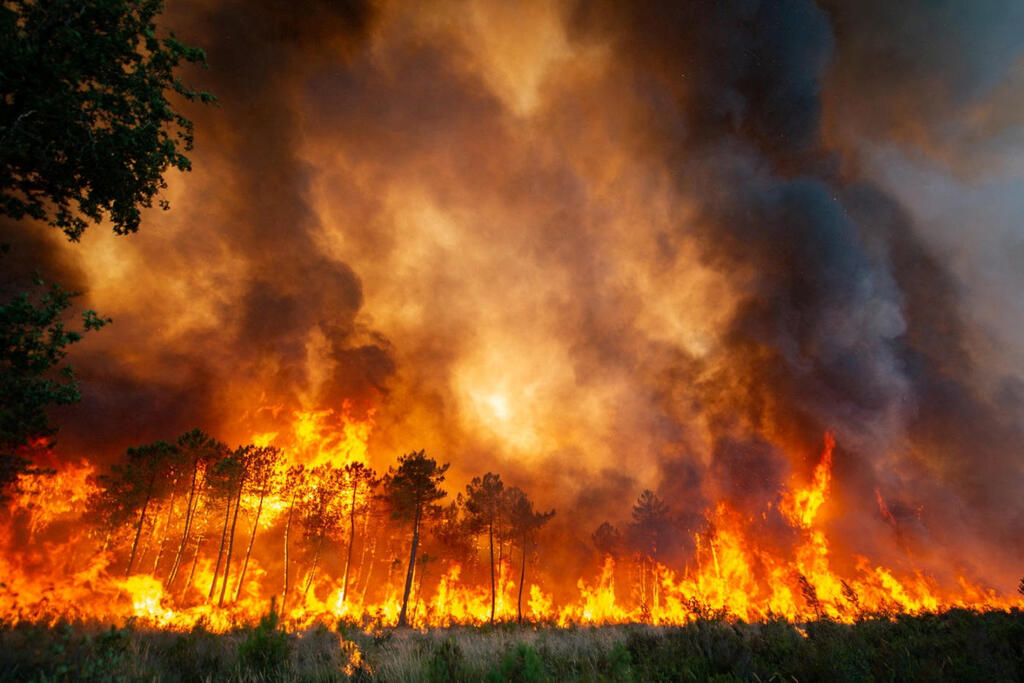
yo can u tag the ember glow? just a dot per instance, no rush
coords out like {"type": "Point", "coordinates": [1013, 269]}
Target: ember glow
{"type": "Point", "coordinates": [734, 571]}
{"type": "Point", "coordinates": [648, 263]}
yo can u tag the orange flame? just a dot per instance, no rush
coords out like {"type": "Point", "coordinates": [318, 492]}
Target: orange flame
{"type": "Point", "coordinates": [733, 573]}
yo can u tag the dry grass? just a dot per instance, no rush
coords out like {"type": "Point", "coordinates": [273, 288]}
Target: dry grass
{"type": "Point", "coordinates": [959, 645]}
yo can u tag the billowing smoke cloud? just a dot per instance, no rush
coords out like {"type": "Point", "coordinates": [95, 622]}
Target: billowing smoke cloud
{"type": "Point", "coordinates": [596, 247]}
{"type": "Point", "coordinates": [230, 308]}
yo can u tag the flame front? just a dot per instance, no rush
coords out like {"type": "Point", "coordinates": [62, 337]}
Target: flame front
{"type": "Point", "coordinates": [732, 573]}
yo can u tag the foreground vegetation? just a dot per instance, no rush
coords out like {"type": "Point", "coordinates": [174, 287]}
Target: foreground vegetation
{"type": "Point", "coordinates": [958, 645]}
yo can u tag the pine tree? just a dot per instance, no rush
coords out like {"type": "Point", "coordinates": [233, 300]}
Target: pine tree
{"type": "Point", "coordinates": [411, 489]}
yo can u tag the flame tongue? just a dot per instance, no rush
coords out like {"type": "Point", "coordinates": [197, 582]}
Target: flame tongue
{"type": "Point", "coordinates": [801, 506]}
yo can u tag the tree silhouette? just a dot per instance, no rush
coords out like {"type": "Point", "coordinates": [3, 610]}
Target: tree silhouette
{"type": "Point", "coordinates": [131, 488]}
{"type": "Point", "coordinates": [484, 502]}
{"type": "Point", "coordinates": [321, 511]}
{"type": "Point", "coordinates": [263, 467]}
{"type": "Point", "coordinates": [196, 452]}
{"type": "Point", "coordinates": [524, 522]}
{"type": "Point", "coordinates": [87, 128]}
{"type": "Point", "coordinates": [294, 485]}
{"type": "Point", "coordinates": [411, 489]}
{"type": "Point", "coordinates": [607, 539]}
{"type": "Point", "coordinates": [33, 343]}
{"type": "Point", "coordinates": [86, 132]}
{"type": "Point", "coordinates": [357, 484]}
{"type": "Point", "coordinates": [225, 479]}
{"type": "Point", "coordinates": [452, 531]}
{"type": "Point", "coordinates": [649, 532]}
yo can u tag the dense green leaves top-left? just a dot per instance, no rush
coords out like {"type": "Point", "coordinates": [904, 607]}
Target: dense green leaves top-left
{"type": "Point", "coordinates": [86, 127]}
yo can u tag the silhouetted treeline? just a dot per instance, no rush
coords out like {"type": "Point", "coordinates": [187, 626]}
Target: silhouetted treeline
{"type": "Point", "coordinates": [212, 522]}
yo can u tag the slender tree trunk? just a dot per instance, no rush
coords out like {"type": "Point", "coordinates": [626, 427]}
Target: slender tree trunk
{"type": "Point", "coordinates": [412, 564]}
{"type": "Point", "coordinates": [312, 570]}
{"type": "Point", "coordinates": [231, 544]}
{"type": "Point", "coordinates": [252, 539]}
{"type": "Point", "coordinates": [163, 537]}
{"type": "Point", "coordinates": [287, 532]}
{"type": "Point", "coordinates": [369, 566]}
{"type": "Point", "coordinates": [147, 544]}
{"type": "Point", "coordinates": [195, 561]}
{"type": "Point", "coordinates": [189, 513]}
{"type": "Point", "coordinates": [369, 544]}
{"type": "Point", "coordinates": [138, 528]}
{"type": "Point", "coordinates": [351, 540]}
{"type": "Point", "coordinates": [501, 549]}
{"type": "Point", "coordinates": [522, 579]}
{"type": "Point", "coordinates": [220, 553]}
{"type": "Point", "coordinates": [419, 589]}
{"type": "Point", "coordinates": [490, 539]}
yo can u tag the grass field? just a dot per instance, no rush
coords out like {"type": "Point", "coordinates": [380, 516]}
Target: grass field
{"type": "Point", "coordinates": [956, 646]}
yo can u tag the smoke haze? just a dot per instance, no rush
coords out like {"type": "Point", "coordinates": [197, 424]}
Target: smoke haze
{"type": "Point", "coordinates": [597, 247]}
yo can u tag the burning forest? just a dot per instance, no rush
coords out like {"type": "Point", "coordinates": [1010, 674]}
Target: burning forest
{"type": "Point", "coordinates": [192, 531]}
{"type": "Point", "coordinates": [554, 313]}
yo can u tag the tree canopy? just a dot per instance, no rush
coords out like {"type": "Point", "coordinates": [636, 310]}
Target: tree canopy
{"type": "Point", "coordinates": [411, 489]}
{"type": "Point", "coordinates": [87, 131]}
{"type": "Point", "coordinates": [651, 525]}
{"type": "Point", "coordinates": [87, 128]}
{"type": "Point", "coordinates": [414, 485]}
{"type": "Point", "coordinates": [33, 344]}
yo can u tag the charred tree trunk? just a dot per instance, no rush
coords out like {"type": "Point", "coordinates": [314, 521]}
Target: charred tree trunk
{"type": "Point", "coordinates": [369, 544]}
{"type": "Point", "coordinates": [402, 621]}
{"type": "Point", "coordinates": [231, 544]}
{"type": "Point", "coordinates": [522, 580]}
{"type": "Point", "coordinates": [252, 539]}
{"type": "Point", "coordinates": [368, 567]}
{"type": "Point", "coordinates": [419, 588]}
{"type": "Point", "coordinates": [138, 528]}
{"type": "Point", "coordinates": [220, 553]}
{"type": "Point", "coordinates": [189, 513]}
{"type": "Point", "coordinates": [195, 561]}
{"type": "Point", "coordinates": [351, 541]}
{"type": "Point", "coordinates": [312, 570]}
{"type": "Point", "coordinates": [490, 540]}
{"type": "Point", "coordinates": [287, 532]}
{"type": "Point", "coordinates": [163, 536]}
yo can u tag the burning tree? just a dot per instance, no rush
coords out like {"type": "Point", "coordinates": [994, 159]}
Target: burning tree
{"type": "Point", "coordinates": [524, 522]}
{"type": "Point", "coordinates": [649, 532]}
{"type": "Point", "coordinates": [227, 479]}
{"type": "Point", "coordinates": [607, 539]}
{"type": "Point", "coordinates": [33, 342]}
{"type": "Point", "coordinates": [321, 511]}
{"type": "Point", "coordinates": [294, 485]}
{"type": "Point", "coordinates": [485, 499]}
{"type": "Point", "coordinates": [358, 482]}
{"type": "Point", "coordinates": [197, 451]}
{"type": "Point", "coordinates": [264, 465]}
{"type": "Point", "coordinates": [451, 531]}
{"type": "Point", "coordinates": [411, 489]}
{"type": "Point", "coordinates": [131, 488]}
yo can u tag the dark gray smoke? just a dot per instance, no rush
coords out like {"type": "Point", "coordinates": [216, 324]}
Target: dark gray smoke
{"type": "Point", "coordinates": [848, 322]}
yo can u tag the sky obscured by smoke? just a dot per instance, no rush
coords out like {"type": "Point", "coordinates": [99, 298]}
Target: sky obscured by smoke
{"type": "Point", "coordinates": [597, 247]}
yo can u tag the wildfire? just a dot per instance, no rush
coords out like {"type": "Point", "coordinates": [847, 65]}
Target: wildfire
{"type": "Point", "coordinates": [801, 505]}
{"type": "Point", "coordinates": [733, 572]}
{"type": "Point", "coordinates": [315, 437]}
